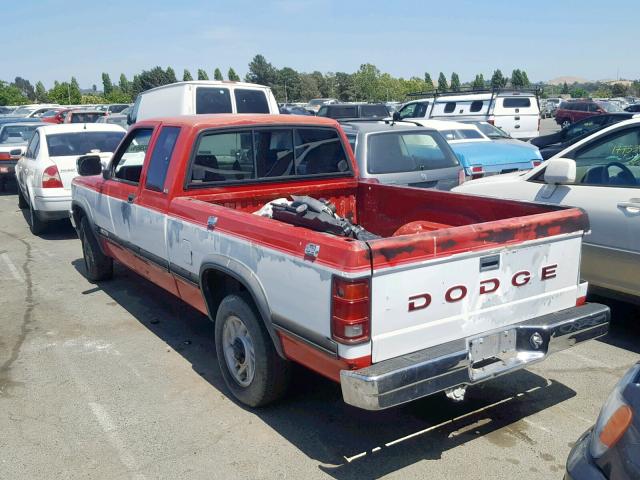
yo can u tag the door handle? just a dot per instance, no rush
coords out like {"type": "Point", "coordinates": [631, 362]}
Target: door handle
{"type": "Point", "coordinates": [131, 198]}
{"type": "Point", "coordinates": [632, 206]}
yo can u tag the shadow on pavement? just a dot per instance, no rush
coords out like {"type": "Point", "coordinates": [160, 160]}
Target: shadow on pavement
{"type": "Point", "coordinates": [347, 443]}
{"type": "Point", "coordinates": [624, 330]}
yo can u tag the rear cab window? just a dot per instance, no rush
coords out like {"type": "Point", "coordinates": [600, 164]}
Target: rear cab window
{"type": "Point", "coordinates": [213, 100]}
{"type": "Point", "coordinates": [250, 101]}
{"type": "Point", "coordinates": [516, 102]}
{"type": "Point", "coordinates": [262, 153]}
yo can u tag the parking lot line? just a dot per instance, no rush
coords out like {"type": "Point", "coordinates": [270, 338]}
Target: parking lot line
{"type": "Point", "coordinates": [15, 273]}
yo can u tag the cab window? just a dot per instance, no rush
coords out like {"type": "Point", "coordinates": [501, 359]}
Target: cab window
{"type": "Point", "coordinates": [127, 164]}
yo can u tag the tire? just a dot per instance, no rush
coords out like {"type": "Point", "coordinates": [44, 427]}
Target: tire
{"type": "Point", "coordinates": [239, 331]}
{"type": "Point", "coordinates": [22, 203]}
{"type": "Point", "coordinates": [97, 265]}
{"type": "Point", "coordinates": [36, 224]}
{"type": "Point", "coordinates": [565, 123]}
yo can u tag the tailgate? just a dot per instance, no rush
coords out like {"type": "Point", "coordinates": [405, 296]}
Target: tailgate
{"type": "Point", "coordinates": [460, 293]}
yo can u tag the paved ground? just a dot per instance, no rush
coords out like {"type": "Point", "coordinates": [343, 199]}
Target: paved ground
{"type": "Point", "coordinates": [548, 125]}
{"type": "Point", "coordinates": [120, 380]}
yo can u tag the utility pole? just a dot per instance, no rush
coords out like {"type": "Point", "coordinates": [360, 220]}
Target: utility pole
{"type": "Point", "coordinates": [69, 92]}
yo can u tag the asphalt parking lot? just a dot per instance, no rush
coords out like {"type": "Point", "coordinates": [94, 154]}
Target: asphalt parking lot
{"type": "Point", "coordinates": [119, 380]}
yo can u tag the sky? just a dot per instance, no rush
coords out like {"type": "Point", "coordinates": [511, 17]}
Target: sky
{"type": "Point", "coordinates": [51, 40]}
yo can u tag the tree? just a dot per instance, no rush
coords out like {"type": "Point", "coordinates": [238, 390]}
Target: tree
{"type": "Point", "coordinates": [344, 87]}
{"type": "Point", "coordinates": [428, 82]}
{"type": "Point", "coordinates": [65, 93]}
{"type": "Point", "coordinates": [455, 82]}
{"type": "Point", "coordinates": [107, 86]}
{"type": "Point", "coordinates": [261, 71]}
{"type": "Point", "coordinates": [171, 75]}
{"type": "Point", "coordinates": [442, 82]}
{"type": "Point", "coordinates": [478, 82]}
{"type": "Point", "coordinates": [619, 90]}
{"type": "Point", "coordinates": [232, 75]}
{"type": "Point", "coordinates": [565, 88]}
{"type": "Point", "coordinates": [186, 76]}
{"type": "Point", "coordinates": [516, 79]}
{"type": "Point", "coordinates": [497, 80]}
{"type": "Point", "coordinates": [366, 82]}
{"type": "Point", "coordinates": [41, 93]}
{"type": "Point", "coordinates": [288, 85]}
{"type": "Point", "coordinates": [308, 87]}
{"type": "Point", "coordinates": [124, 84]}
{"type": "Point", "coordinates": [525, 79]}
{"type": "Point", "coordinates": [217, 74]}
{"type": "Point", "coordinates": [579, 93]}
{"type": "Point", "coordinates": [25, 88]}
{"type": "Point", "coordinates": [11, 95]}
{"type": "Point", "coordinates": [202, 75]}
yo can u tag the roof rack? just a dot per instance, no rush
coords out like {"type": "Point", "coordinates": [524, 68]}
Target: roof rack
{"type": "Point", "coordinates": [469, 91]}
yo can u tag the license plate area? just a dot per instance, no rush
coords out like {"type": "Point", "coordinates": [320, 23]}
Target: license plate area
{"type": "Point", "coordinates": [492, 353]}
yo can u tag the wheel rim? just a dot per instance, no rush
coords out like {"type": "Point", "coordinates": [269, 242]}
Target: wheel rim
{"type": "Point", "coordinates": [565, 124]}
{"type": "Point", "coordinates": [239, 354]}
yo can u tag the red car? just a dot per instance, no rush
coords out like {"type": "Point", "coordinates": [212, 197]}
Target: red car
{"type": "Point", "coordinates": [573, 110]}
{"type": "Point", "coordinates": [55, 115]}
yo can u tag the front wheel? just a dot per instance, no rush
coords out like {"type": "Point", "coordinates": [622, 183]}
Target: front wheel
{"type": "Point", "coordinates": [97, 265]}
{"type": "Point", "coordinates": [250, 365]}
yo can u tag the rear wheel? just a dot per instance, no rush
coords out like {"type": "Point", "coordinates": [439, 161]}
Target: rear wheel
{"type": "Point", "coordinates": [97, 265]}
{"type": "Point", "coordinates": [250, 365]}
{"type": "Point", "coordinates": [36, 224]}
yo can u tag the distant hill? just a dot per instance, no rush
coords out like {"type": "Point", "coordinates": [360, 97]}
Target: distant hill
{"type": "Point", "coordinates": [569, 80]}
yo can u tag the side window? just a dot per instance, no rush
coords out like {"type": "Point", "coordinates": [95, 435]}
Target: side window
{"type": "Point", "coordinates": [407, 110]}
{"type": "Point", "coordinates": [160, 158]}
{"type": "Point", "coordinates": [251, 101]}
{"type": "Point", "coordinates": [274, 152]}
{"type": "Point", "coordinates": [223, 157]}
{"type": "Point", "coordinates": [449, 107]}
{"type": "Point", "coordinates": [613, 161]}
{"type": "Point", "coordinates": [319, 151]}
{"type": "Point", "coordinates": [213, 100]}
{"type": "Point", "coordinates": [476, 106]}
{"type": "Point", "coordinates": [127, 165]}
{"type": "Point", "coordinates": [34, 146]}
{"type": "Point", "coordinates": [420, 110]}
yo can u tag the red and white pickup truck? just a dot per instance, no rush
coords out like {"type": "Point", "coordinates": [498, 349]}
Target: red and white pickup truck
{"type": "Point", "coordinates": [421, 291]}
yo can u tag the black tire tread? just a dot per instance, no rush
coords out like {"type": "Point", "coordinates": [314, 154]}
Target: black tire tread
{"type": "Point", "coordinates": [102, 266]}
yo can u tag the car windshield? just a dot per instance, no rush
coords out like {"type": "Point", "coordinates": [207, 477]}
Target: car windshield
{"type": "Point", "coordinates": [318, 101]}
{"type": "Point", "coordinates": [462, 134]}
{"type": "Point", "coordinates": [397, 152]}
{"type": "Point", "coordinates": [80, 143]}
{"type": "Point", "coordinates": [23, 111]}
{"type": "Point", "coordinates": [85, 117]}
{"type": "Point", "coordinates": [18, 134]}
{"type": "Point", "coordinates": [610, 107]}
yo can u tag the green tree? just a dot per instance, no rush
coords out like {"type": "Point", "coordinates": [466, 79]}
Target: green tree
{"type": "Point", "coordinates": [579, 93]}
{"type": "Point", "coordinates": [366, 82]}
{"type": "Point", "coordinates": [65, 93]}
{"type": "Point", "coordinates": [261, 71]}
{"type": "Point", "coordinates": [497, 79]}
{"type": "Point", "coordinates": [455, 82]}
{"type": "Point", "coordinates": [287, 87]}
{"type": "Point", "coordinates": [11, 95]}
{"type": "Point", "coordinates": [186, 76]}
{"type": "Point", "coordinates": [76, 95]}
{"type": "Point", "coordinates": [202, 75]}
{"type": "Point", "coordinates": [565, 88]}
{"type": "Point", "coordinates": [41, 93]}
{"type": "Point", "coordinates": [478, 82]}
{"type": "Point", "coordinates": [442, 82]}
{"type": "Point", "coordinates": [516, 79]}
{"type": "Point", "coordinates": [428, 82]}
{"type": "Point", "coordinates": [107, 86]}
{"type": "Point", "coordinates": [124, 84]}
{"type": "Point", "coordinates": [217, 74]}
{"type": "Point", "coordinates": [232, 75]}
{"type": "Point", "coordinates": [171, 75]}
{"type": "Point", "coordinates": [25, 88]}
{"type": "Point", "coordinates": [308, 87]}
{"type": "Point", "coordinates": [619, 90]}
{"type": "Point", "coordinates": [525, 79]}
{"type": "Point", "coordinates": [344, 87]}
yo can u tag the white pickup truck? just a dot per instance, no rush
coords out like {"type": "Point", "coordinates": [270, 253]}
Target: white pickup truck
{"type": "Point", "coordinates": [394, 292]}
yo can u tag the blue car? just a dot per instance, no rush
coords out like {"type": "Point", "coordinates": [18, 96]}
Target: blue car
{"type": "Point", "coordinates": [481, 156]}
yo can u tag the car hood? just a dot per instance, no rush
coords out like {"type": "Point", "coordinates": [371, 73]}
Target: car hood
{"type": "Point", "coordinates": [494, 153]}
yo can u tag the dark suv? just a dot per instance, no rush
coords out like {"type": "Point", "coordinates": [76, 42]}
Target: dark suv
{"type": "Point", "coordinates": [354, 110]}
{"type": "Point", "coordinates": [573, 110]}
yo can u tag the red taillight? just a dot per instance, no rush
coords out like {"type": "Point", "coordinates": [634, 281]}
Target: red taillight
{"type": "Point", "coordinates": [581, 301]}
{"type": "Point", "coordinates": [5, 156]}
{"type": "Point", "coordinates": [476, 169]}
{"type": "Point", "coordinates": [350, 310]}
{"type": "Point", "coordinates": [51, 178]}
{"type": "Point", "coordinates": [535, 163]}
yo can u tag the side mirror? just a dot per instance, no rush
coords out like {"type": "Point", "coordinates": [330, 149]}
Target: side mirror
{"type": "Point", "coordinates": [560, 171]}
{"type": "Point", "coordinates": [396, 117]}
{"type": "Point", "coordinates": [89, 165]}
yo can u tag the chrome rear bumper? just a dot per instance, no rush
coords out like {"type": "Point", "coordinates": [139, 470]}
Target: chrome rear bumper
{"type": "Point", "coordinates": [402, 379]}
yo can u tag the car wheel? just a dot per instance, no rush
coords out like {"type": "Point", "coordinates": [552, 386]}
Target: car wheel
{"type": "Point", "coordinates": [250, 365]}
{"type": "Point", "coordinates": [98, 266]}
{"type": "Point", "coordinates": [36, 224]}
{"type": "Point", "coordinates": [565, 123]}
{"type": "Point", "coordinates": [22, 203]}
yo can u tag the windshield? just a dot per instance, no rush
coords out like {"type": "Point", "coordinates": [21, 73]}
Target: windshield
{"type": "Point", "coordinates": [397, 152]}
{"type": "Point", "coordinates": [49, 113]}
{"type": "Point", "coordinates": [610, 107]}
{"type": "Point", "coordinates": [23, 111]}
{"type": "Point", "coordinates": [19, 134]}
{"type": "Point", "coordinates": [81, 143]}
{"type": "Point", "coordinates": [85, 117]}
{"type": "Point", "coordinates": [461, 134]}
{"type": "Point", "coordinates": [318, 101]}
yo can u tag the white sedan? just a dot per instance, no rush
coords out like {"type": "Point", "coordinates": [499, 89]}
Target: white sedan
{"type": "Point", "coordinates": [45, 171]}
{"type": "Point", "coordinates": [600, 174]}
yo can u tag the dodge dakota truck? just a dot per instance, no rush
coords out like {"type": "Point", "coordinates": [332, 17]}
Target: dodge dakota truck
{"type": "Point", "coordinates": [262, 223]}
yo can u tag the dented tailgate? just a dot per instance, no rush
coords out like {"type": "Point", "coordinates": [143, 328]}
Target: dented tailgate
{"type": "Point", "coordinates": [428, 289]}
